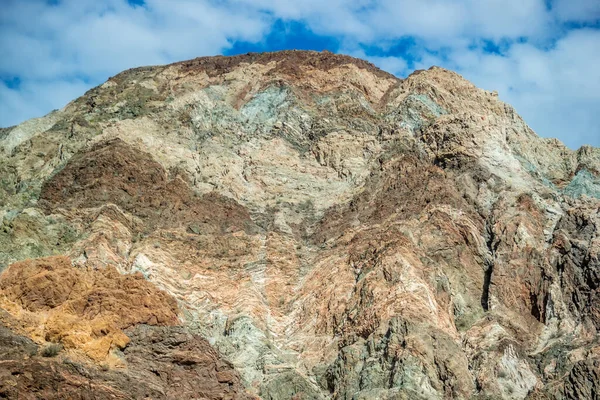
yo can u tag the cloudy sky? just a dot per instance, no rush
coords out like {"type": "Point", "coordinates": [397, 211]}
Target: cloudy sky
{"type": "Point", "coordinates": [542, 56]}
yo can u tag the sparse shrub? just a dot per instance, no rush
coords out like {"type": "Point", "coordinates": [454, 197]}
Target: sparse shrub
{"type": "Point", "coordinates": [554, 335]}
{"type": "Point", "coordinates": [68, 234]}
{"type": "Point", "coordinates": [306, 206]}
{"type": "Point", "coordinates": [51, 350]}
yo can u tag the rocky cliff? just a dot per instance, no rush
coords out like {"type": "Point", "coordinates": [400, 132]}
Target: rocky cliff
{"type": "Point", "coordinates": [296, 225]}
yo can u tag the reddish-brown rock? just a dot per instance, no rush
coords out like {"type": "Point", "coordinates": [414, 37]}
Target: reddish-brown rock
{"type": "Point", "coordinates": [162, 363]}
{"type": "Point", "coordinates": [333, 232]}
{"type": "Point", "coordinates": [82, 308]}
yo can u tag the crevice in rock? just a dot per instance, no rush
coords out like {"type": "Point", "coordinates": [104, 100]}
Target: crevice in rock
{"type": "Point", "coordinates": [539, 311]}
{"type": "Point", "coordinates": [487, 279]}
{"type": "Point", "coordinates": [489, 267]}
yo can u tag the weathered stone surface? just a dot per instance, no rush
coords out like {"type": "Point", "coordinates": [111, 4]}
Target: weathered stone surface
{"type": "Point", "coordinates": [162, 363]}
{"type": "Point", "coordinates": [82, 309]}
{"type": "Point", "coordinates": [116, 173]}
{"type": "Point", "coordinates": [333, 231]}
{"type": "Point", "coordinates": [583, 381]}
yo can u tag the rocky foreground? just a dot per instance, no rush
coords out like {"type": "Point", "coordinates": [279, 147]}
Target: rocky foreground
{"type": "Point", "coordinates": [295, 225]}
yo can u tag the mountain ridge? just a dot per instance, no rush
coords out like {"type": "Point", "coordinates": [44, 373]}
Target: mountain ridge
{"type": "Point", "coordinates": [330, 230]}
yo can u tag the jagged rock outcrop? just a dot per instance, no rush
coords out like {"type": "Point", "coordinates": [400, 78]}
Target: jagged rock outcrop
{"type": "Point", "coordinates": [83, 309]}
{"type": "Point", "coordinates": [331, 230]}
{"type": "Point", "coordinates": [162, 363]}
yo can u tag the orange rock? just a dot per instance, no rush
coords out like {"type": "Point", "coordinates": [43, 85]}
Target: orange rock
{"type": "Point", "coordinates": [82, 308]}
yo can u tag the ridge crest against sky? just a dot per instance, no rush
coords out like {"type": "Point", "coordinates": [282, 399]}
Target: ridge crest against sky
{"type": "Point", "coordinates": [542, 56]}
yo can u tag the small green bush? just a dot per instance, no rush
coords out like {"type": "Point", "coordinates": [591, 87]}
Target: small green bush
{"type": "Point", "coordinates": [51, 350]}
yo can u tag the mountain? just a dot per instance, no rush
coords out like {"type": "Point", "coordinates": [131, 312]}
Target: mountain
{"type": "Point", "coordinates": [296, 225]}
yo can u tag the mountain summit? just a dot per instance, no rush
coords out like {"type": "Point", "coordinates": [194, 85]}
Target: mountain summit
{"type": "Point", "coordinates": [296, 225]}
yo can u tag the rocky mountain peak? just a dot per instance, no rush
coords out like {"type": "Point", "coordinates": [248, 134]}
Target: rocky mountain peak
{"type": "Point", "coordinates": [296, 225]}
{"type": "Point", "coordinates": [286, 62]}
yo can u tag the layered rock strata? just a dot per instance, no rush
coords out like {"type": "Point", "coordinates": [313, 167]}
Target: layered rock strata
{"type": "Point", "coordinates": [302, 225]}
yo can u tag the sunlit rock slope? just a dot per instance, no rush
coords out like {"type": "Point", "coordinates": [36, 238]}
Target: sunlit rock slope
{"type": "Point", "coordinates": [296, 225]}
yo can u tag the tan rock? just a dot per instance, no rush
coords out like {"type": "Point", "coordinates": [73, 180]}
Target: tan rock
{"type": "Point", "coordinates": [334, 232]}
{"type": "Point", "coordinates": [84, 309]}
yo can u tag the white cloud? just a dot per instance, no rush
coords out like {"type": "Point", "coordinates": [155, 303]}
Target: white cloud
{"type": "Point", "coordinates": [100, 38]}
{"type": "Point", "coordinates": [549, 73]}
{"type": "Point", "coordinates": [88, 40]}
{"type": "Point", "coordinates": [37, 98]}
{"type": "Point", "coordinates": [438, 21]}
{"type": "Point", "coordinates": [394, 65]}
{"type": "Point", "coordinates": [576, 10]}
{"type": "Point", "coordinates": [556, 90]}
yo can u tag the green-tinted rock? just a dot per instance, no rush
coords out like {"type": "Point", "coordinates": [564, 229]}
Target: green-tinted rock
{"type": "Point", "coordinates": [584, 183]}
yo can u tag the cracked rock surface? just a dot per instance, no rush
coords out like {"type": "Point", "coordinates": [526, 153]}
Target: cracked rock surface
{"type": "Point", "coordinates": [296, 225]}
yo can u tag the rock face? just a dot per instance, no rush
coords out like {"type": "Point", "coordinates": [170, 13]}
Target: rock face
{"type": "Point", "coordinates": [83, 309]}
{"type": "Point", "coordinates": [296, 225]}
{"type": "Point", "coordinates": [162, 363]}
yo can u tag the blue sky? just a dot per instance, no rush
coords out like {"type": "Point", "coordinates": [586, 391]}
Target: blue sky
{"type": "Point", "coordinates": [542, 56]}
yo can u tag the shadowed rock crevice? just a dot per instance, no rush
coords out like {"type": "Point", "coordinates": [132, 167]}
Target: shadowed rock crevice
{"type": "Point", "coordinates": [487, 281]}
{"type": "Point", "coordinates": [489, 266]}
